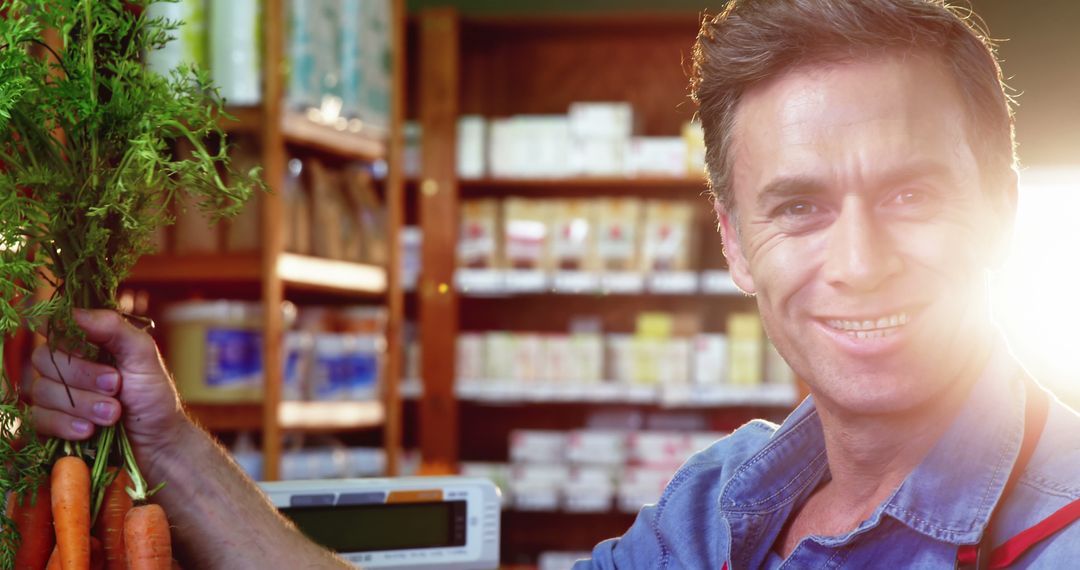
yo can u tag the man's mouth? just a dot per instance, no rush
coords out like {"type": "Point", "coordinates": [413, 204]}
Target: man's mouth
{"type": "Point", "coordinates": [877, 327]}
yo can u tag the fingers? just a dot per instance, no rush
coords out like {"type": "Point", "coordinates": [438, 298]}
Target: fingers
{"type": "Point", "coordinates": [49, 394]}
{"type": "Point", "coordinates": [133, 348]}
{"type": "Point", "coordinates": [59, 424]}
{"type": "Point", "coordinates": [77, 372]}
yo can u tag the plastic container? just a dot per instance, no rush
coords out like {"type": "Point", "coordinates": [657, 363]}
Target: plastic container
{"type": "Point", "coordinates": [215, 349]}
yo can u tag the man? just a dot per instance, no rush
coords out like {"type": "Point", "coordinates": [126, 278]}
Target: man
{"type": "Point", "coordinates": [861, 153]}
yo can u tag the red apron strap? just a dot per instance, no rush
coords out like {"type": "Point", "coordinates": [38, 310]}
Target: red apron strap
{"type": "Point", "coordinates": [1007, 553]}
{"type": "Point", "coordinates": [1035, 412]}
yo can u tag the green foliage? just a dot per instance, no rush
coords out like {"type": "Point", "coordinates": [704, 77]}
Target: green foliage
{"type": "Point", "coordinates": [94, 148]}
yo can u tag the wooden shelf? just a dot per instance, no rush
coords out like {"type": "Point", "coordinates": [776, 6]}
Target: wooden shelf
{"type": "Point", "coordinates": [299, 130]}
{"type": "Point", "coordinates": [330, 275]}
{"type": "Point", "coordinates": [660, 183]}
{"type": "Point", "coordinates": [300, 416]}
{"type": "Point", "coordinates": [296, 271]}
{"type": "Point", "coordinates": [248, 120]}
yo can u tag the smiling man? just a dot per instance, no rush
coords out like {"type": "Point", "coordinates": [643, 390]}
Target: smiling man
{"type": "Point", "coordinates": [861, 157]}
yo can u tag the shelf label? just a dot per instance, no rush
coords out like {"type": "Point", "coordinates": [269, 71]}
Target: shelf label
{"type": "Point", "coordinates": [627, 282]}
{"type": "Point", "coordinates": [480, 281]}
{"type": "Point", "coordinates": [576, 282]}
{"type": "Point", "coordinates": [718, 282]}
{"type": "Point", "coordinates": [673, 282]}
{"type": "Point", "coordinates": [526, 281]}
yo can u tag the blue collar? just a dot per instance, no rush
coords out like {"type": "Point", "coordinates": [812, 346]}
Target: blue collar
{"type": "Point", "coordinates": [948, 497]}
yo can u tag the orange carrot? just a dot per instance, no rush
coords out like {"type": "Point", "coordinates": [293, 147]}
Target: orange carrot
{"type": "Point", "coordinates": [146, 539]}
{"type": "Point", "coordinates": [110, 523]}
{"type": "Point", "coordinates": [71, 512]}
{"type": "Point", "coordinates": [33, 518]}
{"type": "Point", "coordinates": [97, 554]}
{"type": "Point", "coordinates": [54, 560]}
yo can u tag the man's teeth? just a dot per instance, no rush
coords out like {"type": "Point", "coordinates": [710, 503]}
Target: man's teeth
{"type": "Point", "coordinates": [870, 328]}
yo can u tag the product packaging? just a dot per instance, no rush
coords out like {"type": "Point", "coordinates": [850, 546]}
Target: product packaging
{"type": "Point", "coordinates": [478, 244]}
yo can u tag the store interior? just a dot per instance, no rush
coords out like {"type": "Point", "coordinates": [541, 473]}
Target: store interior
{"type": "Point", "coordinates": [487, 249]}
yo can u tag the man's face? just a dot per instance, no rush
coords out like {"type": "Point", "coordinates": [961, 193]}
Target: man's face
{"type": "Point", "coordinates": [863, 228]}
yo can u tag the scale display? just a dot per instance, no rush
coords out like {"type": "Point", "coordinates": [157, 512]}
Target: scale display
{"type": "Point", "coordinates": [442, 523]}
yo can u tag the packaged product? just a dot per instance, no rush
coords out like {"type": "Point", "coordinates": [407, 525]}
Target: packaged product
{"type": "Point", "coordinates": [618, 221]}
{"type": "Point", "coordinates": [573, 235]}
{"type": "Point", "coordinates": [525, 234]}
{"type": "Point", "coordinates": [478, 244]}
{"type": "Point", "coordinates": [669, 232]}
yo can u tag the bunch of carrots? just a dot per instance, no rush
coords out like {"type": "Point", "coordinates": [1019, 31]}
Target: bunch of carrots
{"type": "Point", "coordinates": [91, 516]}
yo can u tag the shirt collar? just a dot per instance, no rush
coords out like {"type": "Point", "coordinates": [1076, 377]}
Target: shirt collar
{"type": "Point", "coordinates": [949, 496]}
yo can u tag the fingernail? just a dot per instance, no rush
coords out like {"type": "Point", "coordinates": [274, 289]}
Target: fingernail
{"type": "Point", "coordinates": [80, 426]}
{"type": "Point", "coordinates": [108, 381]}
{"type": "Point", "coordinates": [103, 410]}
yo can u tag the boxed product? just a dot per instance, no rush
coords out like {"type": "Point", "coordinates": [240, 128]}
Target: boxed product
{"type": "Point", "coordinates": [617, 233]}
{"type": "Point", "coordinates": [478, 244]}
{"type": "Point", "coordinates": [586, 358]}
{"type": "Point", "coordinates": [528, 358]}
{"type": "Point", "coordinates": [470, 356]}
{"type": "Point", "coordinates": [710, 359]}
{"type": "Point", "coordinates": [600, 134]}
{"type": "Point", "coordinates": [619, 349]}
{"type": "Point", "coordinates": [471, 139]}
{"type": "Point", "coordinates": [537, 446]}
{"type": "Point", "coordinates": [746, 352]}
{"type": "Point", "coordinates": [596, 447]}
{"type": "Point", "coordinates": [347, 366]}
{"type": "Point", "coordinates": [538, 487]}
{"type": "Point", "coordinates": [589, 490]}
{"type": "Point", "coordinates": [656, 156]}
{"type": "Point", "coordinates": [525, 234]}
{"type": "Point", "coordinates": [235, 56]}
{"type": "Point", "coordinates": [215, 349]}
{"type": "Point", "coordinates": [242, 233]}
{"type": "Point", "coordinates": [573, 235]}
{"type": "Point", "coordinates": [330, 213]}
{"type": "Point", "coordinates": [668, 236]}
{"type": "Point", "coordinates": [499, 356]}
{"type": "Point", "coordinates": [558, 360]}
{"type": "Point", "coordinates": [297, 209]}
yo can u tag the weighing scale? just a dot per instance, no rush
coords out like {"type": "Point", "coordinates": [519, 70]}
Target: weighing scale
{"type": "Point", "coordinates": [444, 523]}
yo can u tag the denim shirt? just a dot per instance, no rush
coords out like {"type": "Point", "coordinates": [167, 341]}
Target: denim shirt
{"type": "Point", "coordinates": [728, 503]}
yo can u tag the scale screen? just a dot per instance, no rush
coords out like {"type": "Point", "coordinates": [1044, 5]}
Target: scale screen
{"type": "Point", "coordinates": [383, 527]}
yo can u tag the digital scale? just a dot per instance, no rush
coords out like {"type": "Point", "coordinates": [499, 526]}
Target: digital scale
{"type": "Point", "coordinates": [446, 523]}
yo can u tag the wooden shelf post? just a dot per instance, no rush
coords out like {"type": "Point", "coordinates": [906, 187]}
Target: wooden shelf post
{"type": "Point", "coordinates": [438, 318]}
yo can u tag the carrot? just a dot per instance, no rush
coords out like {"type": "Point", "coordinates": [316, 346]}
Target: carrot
{"type": "Point", "coordinates": [146, 539]}
{"type": "Point", "coordinates": [33, 518]}
{"type": "Point", "coordinates": [71, 512]}
{"type": "Point", "coordinates": [110, 523]}
{"type": "Point", "coordinates": [54, 560]}
{"type": "Point", "coordinates": [97, 554]}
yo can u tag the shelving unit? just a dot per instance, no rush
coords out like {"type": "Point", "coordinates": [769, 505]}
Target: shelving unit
{"type": "Point", "coordinates": [505, 66]}
{"type": "Point", "coordinates": [273, 275]}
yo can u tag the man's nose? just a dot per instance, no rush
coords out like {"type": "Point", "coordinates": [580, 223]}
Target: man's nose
{"type": "Point", "coordinates": [860, 255]}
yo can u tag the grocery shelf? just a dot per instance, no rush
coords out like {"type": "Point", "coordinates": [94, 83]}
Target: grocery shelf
{"type": "Point", "coordinates": [495, 283]}
{"type": "Point", "coordinates": [330, 275]}
{"type": "Point", "coordinates": [296, 271]}
{"type": "Point", "coordinates": [590, 182]}
{"type": "Point", "coordinates": [196, 268]}
{"type": "Point", "coordinates": [498, 392]}
{"type": "Point", "coordinates": [304, 416]}
{"type": "Point", "coordinates": [349, 144]}
{"type": "Point", "coordinates": [248, 120]}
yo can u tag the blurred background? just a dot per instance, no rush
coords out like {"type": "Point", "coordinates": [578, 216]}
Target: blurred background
{"type": "Point", "coordinates": [488, 250]}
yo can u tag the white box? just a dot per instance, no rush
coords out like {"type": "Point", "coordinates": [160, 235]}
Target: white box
{"type": "Point", "coordinates": [710, 356]}
{"type": "Point", "coordinates": [537, 446]}
{"type": "Point", "coordinates": [471, 148]}
{"type": "Point", "coordinates": [611, 120]}
{"type": "Point", "coordinates": [596, 447]}
{"type": "Point", "coordinates": [470, 357]}
{"type": "Point", "coordinates": [658, 156]}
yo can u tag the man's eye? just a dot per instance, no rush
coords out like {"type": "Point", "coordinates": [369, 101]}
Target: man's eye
{"type": "Point", "coordinates": [911, 198]}
{"type": "Point", "coordinates": [798, 208]}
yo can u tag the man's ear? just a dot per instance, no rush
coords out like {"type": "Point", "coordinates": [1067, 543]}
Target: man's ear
{"type": "Point", "coordinates": [737, 264]}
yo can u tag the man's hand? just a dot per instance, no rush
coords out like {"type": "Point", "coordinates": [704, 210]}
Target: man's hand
{"type": "Point", "coordinates": [139, 385]}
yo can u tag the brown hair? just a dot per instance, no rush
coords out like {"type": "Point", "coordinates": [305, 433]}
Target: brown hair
{"type": "Point", "coordinates": [751, 41]}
